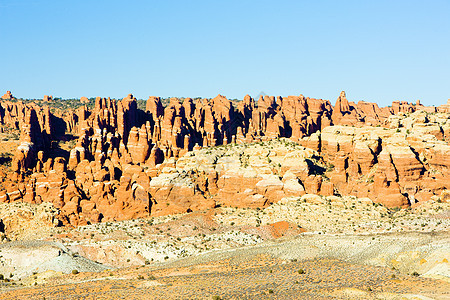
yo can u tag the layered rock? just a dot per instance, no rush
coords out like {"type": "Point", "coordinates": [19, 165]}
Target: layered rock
{"type": "Point", "coordinates": [252, 175]}
{"type": "Point", "coordinates": [195, 154]}
{"type": "Point", "coordinates": [33, 137]}
{"type": "Point", "coordinates": [445, 108]}
{"type": "Point", "coordinates": [397, 166]}
{"type": "Point", "coordinates": [345, 113]}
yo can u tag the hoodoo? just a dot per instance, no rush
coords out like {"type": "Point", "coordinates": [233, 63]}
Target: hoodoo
{"type": "Point", "coordinates": [115, 161]}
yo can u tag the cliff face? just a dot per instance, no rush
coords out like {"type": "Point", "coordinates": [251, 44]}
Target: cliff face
{"type": "Point", "coordinates": [127, 163]}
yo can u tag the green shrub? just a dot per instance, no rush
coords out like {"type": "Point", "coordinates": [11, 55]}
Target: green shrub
{"type": "Point", "coordinates": [75, 272]}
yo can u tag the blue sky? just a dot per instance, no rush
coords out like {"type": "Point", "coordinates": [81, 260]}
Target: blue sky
{"type": "Point", "coordinates": [377, 51]}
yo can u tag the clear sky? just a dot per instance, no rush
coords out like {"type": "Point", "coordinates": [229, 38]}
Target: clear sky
{"type": "Point", "coordinates": [377, 51]}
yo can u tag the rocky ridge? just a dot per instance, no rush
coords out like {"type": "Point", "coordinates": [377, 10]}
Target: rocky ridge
{"type": "Point", "coordinates": [121, 162]}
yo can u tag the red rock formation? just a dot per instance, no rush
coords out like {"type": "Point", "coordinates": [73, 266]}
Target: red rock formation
{"type": "Point", "coordinates": [402, 106]}
{"type": "Point", "coordinates": [47, 98]}
{"type": "Point", "coordinates": [33, 137]}
{"type": "Point", "coordinates": [154, 107]}
{"type": "Point", "coordinates": [373, 115]}
{"type": "Point", "coordinates": [445, 108]}
{"type": "Point", "coordinates": [345, 113]}
{"type": "Point", "coordinates": [8, 96]}
{"type": "Point", "coordinates": [110, 171]}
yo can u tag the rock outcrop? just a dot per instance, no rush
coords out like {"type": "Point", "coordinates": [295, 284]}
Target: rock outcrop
{"type": "Point", "coordinates": [395, 166]}
{"type": "Point", "coordinates": [8, 96]}
{"type": "Point", "coordinates": [47, 98]}
{"type": "Point", "coordinates": [117, 162]}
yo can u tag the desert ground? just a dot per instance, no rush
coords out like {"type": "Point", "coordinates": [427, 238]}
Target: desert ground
{"type": "Point", "coordinates": [232, 253]}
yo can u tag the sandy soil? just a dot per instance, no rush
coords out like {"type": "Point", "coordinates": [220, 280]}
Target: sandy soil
{"type": "Point", "coordinates": [299, 248]}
